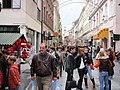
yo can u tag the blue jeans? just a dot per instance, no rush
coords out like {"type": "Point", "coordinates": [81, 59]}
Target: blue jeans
{"type": "Point", "coordinates": [89, 72]}
{"type": "Point", "coordinates": [103, 78]}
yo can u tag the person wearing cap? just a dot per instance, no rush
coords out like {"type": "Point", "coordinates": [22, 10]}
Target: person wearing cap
{"type": "Point", "coordinates": [13, 75]}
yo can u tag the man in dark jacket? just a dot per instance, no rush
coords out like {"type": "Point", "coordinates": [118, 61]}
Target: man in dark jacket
{"type": "Point", "coordinates": [43, 65]}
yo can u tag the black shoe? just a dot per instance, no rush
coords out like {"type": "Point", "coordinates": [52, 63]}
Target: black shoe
{"type": "Point", "coordinates": [60, 75]}
{"type": "Point", "coordinates": [93, 86]}
{"type": "Point", "coordinates": [86, 86]}
{"type": "Point", "coordinates": [79, 89]}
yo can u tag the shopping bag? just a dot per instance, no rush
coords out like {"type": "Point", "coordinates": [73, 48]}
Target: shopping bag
{"type": "Point", "coordinates": [34, 85]}
{"type": "Point", "coordinates": [71, 84]}
{"type": "Point", "coordinates": [56, 85]}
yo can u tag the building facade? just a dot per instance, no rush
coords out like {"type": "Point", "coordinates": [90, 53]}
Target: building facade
{"type": "Point", "coordinates": [21, 16]}
{"type": "Point", "coordinates": [48, 20]}
{"type": "Point", "coordinates": [99, 23]}
{"type": "Point", "coordinates": [57, 25]}
{"type": "Point", "coordinates": [25, 17]}
{"type": "Point", "coordinates": [105, 23]}
{"type": "Point", "coordinates": [82, 27]}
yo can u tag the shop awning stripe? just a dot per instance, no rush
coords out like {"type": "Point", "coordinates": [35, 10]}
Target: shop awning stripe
{"type": "Point", "coordinates": [9, 38]}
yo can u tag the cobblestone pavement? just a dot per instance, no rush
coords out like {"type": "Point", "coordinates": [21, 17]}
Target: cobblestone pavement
{"type": "Point", "coordinates": [115, 80]}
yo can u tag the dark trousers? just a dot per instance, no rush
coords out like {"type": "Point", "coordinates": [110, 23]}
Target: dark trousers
{"type": "Point", "coordinates": [17, 88]}
{"type": "Point", "coordinates": [81, 74]}
{"type": "Point", "coordinates": [69, 77]}
{"type": "Point", "coordinates": [61, 70]}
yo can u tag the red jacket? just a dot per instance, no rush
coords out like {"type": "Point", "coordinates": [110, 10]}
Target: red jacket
{"type": "Point", "coordinates": [14, 77]}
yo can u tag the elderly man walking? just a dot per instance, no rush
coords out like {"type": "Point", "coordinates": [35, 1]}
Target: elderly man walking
{"type": "Point", "coordinates": [43, 65]}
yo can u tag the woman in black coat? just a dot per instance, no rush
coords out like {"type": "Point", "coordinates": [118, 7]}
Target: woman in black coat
{"type": "Point", "coordinates": [81, 66]}
{"type": "Point", "coordinates": [70, 65]}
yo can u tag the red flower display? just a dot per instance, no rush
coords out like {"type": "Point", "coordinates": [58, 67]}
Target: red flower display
{"type": "Point", "coordinates": [28, 45]}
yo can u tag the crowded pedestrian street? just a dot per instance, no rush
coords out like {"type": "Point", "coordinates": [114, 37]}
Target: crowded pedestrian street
{"type": "Point", "coordinates": [59, 44]}
{"type": "Point", "coordinates": [27, 84]}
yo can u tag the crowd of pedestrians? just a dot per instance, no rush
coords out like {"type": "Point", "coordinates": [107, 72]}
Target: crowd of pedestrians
{"type": "Point", "coordinates": [9, 72]}
{"type": "Point", "coordinates": [48, 65]}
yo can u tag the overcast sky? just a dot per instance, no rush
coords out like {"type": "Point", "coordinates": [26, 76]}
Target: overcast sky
{"type": "Point", "coordinates": [70, 11]}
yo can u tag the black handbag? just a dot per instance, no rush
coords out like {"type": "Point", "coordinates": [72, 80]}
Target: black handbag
{"type": "Point", "coordinates": [71, 84]}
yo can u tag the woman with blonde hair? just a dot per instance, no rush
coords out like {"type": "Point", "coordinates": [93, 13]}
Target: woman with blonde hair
{"type": "Point", "coordinates": [81, 66]}
{"type": "Point", "coordinates": [103, 63]}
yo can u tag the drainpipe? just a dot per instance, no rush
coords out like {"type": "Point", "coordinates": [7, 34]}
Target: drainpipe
{"type": "Point", "coordinates": [42, 10]}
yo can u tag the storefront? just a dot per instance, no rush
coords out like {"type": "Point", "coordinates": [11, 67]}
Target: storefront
{"type": "Point", "coordinates": [14, 43]}
{"type": "Point", "coordinates": [102, 37]}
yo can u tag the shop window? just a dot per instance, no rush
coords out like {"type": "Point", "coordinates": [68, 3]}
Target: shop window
{"type": "Point", "coordinates": [11, 3]}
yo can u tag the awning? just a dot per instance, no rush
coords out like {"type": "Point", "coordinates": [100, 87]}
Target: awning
{"type": "Point", "coordinates": [9, 38]}
{"type": "Point", "coordinates": [104, 33]}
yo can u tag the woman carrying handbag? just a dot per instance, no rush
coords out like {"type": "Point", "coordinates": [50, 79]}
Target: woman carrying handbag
{"type": "Point", "coordinates": [69, 67]}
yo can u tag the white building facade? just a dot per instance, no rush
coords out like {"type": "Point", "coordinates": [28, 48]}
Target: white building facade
{"type": "Point", "coordinates": [25, 17]}
{"type": "Point", "coordinates": [105, 23]}
{"type": "Point", "coordinates": [21, 16]}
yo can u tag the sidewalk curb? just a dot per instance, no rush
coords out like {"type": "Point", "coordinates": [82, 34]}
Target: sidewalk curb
{"type": "Point", "coordinates": [28, 87]}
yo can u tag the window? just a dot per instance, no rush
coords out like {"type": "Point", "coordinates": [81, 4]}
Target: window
{"type": "Point", "coordinates": [11, 3]}
{"type": "Point", "coordinates": [7, 3]}
{"type": "Point", "coordinates": [38, 14]}
{"type": "Point", "coordinates": [106, 12]}
{"type": "Point", "coordinates": [16, 3]}
{"type": "Point", "coordinates": [101, 15]}
{"type": "Point", "coordinates": [111, 9]}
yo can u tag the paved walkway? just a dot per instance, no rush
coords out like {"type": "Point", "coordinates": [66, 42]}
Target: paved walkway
{"type": "Point", "coordinates": [115, 80]}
